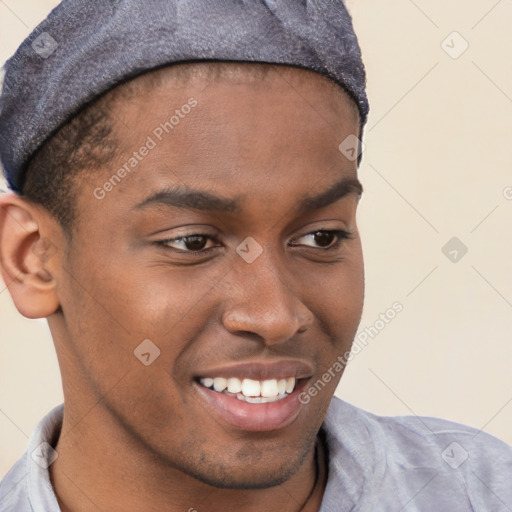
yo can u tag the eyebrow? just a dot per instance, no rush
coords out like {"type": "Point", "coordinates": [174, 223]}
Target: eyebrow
{"type": "Point", "coordinates": [185, 197]}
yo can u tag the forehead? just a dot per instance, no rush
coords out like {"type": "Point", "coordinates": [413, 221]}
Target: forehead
{"type": "Point", "coordinates": [221, 74]}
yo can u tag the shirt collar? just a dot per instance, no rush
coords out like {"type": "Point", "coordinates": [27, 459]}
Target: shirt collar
{"type": "Point", "coordinates": [39, 456]}
{"type": "Point", "coordinates": [356, 458]}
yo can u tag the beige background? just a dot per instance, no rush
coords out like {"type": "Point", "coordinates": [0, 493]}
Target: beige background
{"type": "Point", "coordinates": [437, 165]}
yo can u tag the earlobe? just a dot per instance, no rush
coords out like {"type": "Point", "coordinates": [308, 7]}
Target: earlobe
{"type": "Point", "coordinates": [26, 251]}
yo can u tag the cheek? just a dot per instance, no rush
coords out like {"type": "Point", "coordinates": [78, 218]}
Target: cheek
{"type": "Point", "coordinates": [112, 308]}
{"type": "Point", "coordinates": [338, 303]}
{"type": "Point", "coordinates": [336, 293]}
{"type": "Point", "coordinates": [124, 340]}
{"type": "Point", "coordinates": [350, 296]}
{"type": "Point", "coordinates": [349, 292]}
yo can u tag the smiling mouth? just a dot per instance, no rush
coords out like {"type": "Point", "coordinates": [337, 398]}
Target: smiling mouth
{"type": "Point", "coordinates": [251, 391]}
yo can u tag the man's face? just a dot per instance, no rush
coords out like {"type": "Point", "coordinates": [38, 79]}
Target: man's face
{"type": "Point", "coordinates": [282, 305]}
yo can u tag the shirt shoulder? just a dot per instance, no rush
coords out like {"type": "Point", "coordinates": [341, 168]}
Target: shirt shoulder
{"type": "Point", "coordinates": [419, 461]}
{"type": "Point", "coordinates": [27, 486]}
{"type": "Point", "coordinates": [13, 488]}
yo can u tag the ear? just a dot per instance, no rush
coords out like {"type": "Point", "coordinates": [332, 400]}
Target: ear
{"type": "Point", "coordinates": [26, 248]}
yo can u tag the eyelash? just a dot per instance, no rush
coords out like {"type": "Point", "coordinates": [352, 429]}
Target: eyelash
{"type": "Point", "coordinates": [340, 235]}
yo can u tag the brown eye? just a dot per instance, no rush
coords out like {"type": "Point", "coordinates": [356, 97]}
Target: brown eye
{"type": "Point", "coordinates": [188, 244]}
{"type": "Point", "coordinates": [323, 239]}
{"type": "Point", "coordinates": [195, 242]}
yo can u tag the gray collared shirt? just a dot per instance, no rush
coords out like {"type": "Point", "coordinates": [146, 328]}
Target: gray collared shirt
{"type": "Point", "coordinates": [376, 463]}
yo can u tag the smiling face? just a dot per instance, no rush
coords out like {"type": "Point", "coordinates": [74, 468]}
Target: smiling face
{"type": "Point", "coordinates": [161, 253]}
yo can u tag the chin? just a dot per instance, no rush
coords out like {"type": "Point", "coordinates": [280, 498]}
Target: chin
{"type": "Point", "coordinates": [243, 470]}
{"type": "Point", "coordinates": [241, 479]}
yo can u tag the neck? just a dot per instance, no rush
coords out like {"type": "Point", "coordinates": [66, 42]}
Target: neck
{"type": "Point", "coordinates": [314, 500]}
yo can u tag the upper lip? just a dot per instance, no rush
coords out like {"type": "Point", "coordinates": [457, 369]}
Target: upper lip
{"type": "Point", "coordinates": [261, 370]}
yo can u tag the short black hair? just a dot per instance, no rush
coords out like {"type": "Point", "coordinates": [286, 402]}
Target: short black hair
{"type": "Point", "coordinates": [84, 142]}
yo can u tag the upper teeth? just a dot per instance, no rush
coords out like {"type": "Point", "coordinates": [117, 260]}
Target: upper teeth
{"type": "Point", "coordinates": [248, 387]}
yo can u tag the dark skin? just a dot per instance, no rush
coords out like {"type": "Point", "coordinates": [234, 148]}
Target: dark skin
{"type": "Point", "coordinates": [139, 437]}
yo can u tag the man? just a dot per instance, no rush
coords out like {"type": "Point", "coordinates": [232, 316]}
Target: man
{"type": "Point", "coordinates": [184, 218]}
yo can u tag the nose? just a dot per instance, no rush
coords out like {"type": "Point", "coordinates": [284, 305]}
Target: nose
{"type": "Point", "coordinates": [261, 302]}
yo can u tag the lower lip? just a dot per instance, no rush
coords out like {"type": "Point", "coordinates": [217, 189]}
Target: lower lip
{"type": "Point", "coordinates": [253, 417]}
